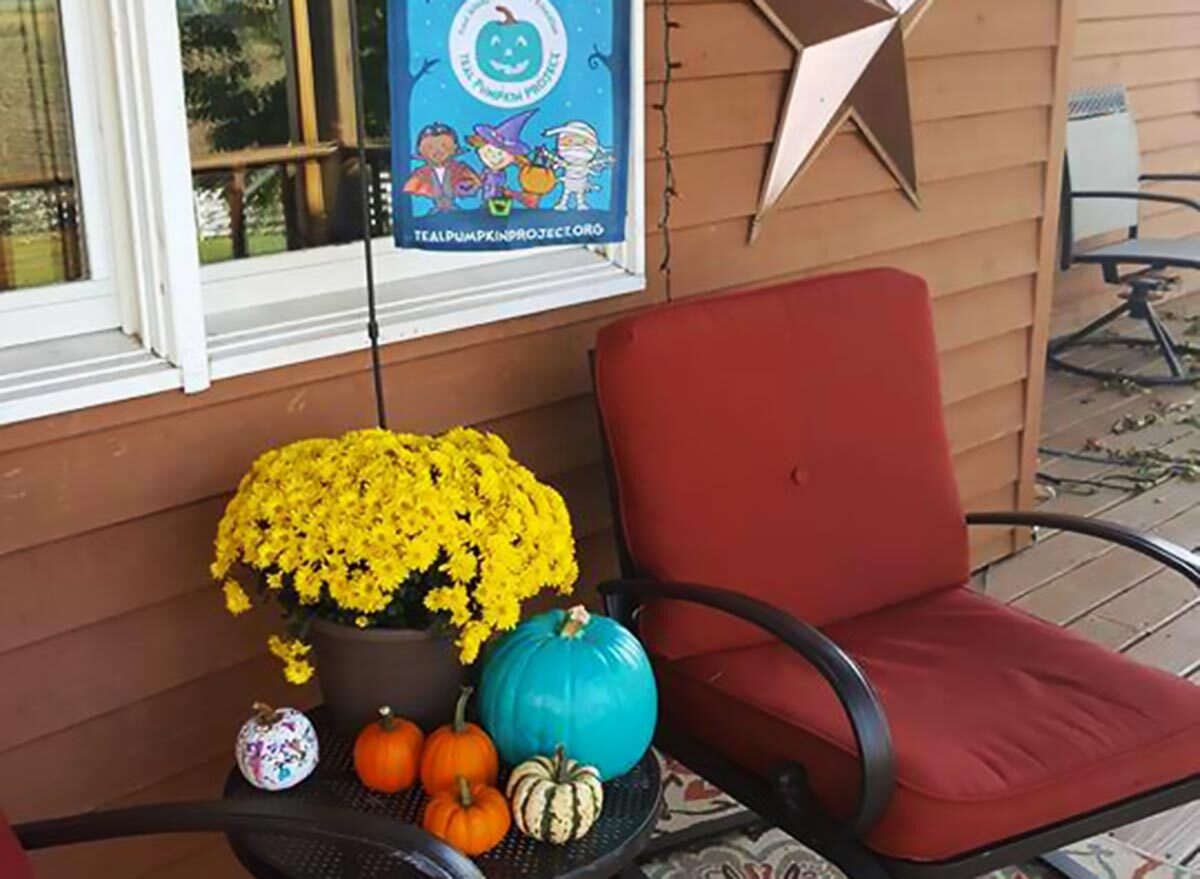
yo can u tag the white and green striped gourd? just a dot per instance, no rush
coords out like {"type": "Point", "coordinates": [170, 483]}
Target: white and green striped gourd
{"type": "Point", "coordinates": [555, 799]}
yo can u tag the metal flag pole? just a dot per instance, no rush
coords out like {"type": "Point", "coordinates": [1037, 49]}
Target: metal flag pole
{"type": "Point", "coordinates": [360, 121]}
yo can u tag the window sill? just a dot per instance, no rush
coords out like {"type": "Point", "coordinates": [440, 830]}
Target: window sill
{"type": "Point", "coordinates": [79, 372]}
{"type": "Point", "coordinates": [285, 333]}
{"type": "Point", "coordinates": [60, 375]}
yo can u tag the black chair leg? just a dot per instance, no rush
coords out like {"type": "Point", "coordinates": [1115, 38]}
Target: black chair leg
{"type": "Point", "coordinates": [1095, 326]}
{"type": "Point", "coordinates": [806, 821]}
{"type": "Point", "coordinates": [1137, 307]}
{"type": "Point", "coordinates": [1165, 344]}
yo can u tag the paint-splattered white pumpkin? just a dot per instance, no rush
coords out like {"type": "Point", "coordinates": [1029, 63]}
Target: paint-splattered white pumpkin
{"type": "Point", "coordinates": [555, 799]}
{"type": "Point", "coordinates": [276, 748]}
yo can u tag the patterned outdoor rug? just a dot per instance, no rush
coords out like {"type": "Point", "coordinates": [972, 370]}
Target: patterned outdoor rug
{"type": "Point", "coordinates": [760, 852]}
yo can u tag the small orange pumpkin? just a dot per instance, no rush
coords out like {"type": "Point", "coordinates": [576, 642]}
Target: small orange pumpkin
{"type": "Point", "coordinates": [458, 748]}
{"type": "Point", "coordinates": [473, 818]}
{"type": "Point", "coordinates": [537, 179]}
{"type": "Point", "coordinates": [387, 753]}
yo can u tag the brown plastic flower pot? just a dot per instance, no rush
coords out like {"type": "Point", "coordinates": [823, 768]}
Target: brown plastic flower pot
{"type": "Point", "coordinates": [415, 673]}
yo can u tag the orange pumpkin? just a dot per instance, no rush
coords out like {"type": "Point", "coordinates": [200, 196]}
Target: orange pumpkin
{"type": "Point", "coordinates": [473, 818]}
{"type": "Point", "coordinates": [387, 753]}
{"type": "Point", "coordinates": [537, 179]}
{"type": "Point", "coordinates": [458, 748]}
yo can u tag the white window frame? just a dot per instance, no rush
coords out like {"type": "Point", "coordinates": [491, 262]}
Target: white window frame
{"type": "Point", "coordinates": [195, 324]}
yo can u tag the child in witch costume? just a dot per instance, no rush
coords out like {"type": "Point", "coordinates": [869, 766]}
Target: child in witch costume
{"type": "Point", "coordinates": [443, 178]}
{"type": "Point", "coordinates": [500, 148]}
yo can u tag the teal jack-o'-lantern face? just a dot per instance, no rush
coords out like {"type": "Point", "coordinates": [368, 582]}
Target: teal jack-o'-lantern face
{"type": "Point", "coordinates": [509, 50]}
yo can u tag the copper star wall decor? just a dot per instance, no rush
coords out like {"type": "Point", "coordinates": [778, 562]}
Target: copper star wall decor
{"type": "Point", "coordinates": [849, 66]}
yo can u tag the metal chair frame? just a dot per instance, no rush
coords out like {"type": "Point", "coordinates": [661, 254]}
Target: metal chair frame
{"type": "Point", "coordinates": [785, 799]}
{"type": "Point", "coordinates": [1151, 278]}
{"type": "Point", "coordinates": [405, 842]}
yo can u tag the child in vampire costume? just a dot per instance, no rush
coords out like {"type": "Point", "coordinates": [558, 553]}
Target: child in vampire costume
{"type": "Point", "coordinates": [443, 178]}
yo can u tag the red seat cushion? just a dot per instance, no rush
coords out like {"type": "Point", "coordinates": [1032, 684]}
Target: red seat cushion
{"type": "Point", "coordinates": [759, 439]}
{"type": "Point", "coordinates": [1001, 723]}
{"type": "Point", "coordinates": [13, 862]}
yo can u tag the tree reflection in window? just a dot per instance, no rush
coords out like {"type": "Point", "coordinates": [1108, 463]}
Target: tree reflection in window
{"type": "Point", "coordinates": [272, 122]}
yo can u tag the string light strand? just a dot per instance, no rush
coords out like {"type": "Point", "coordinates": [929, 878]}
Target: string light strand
{"type": "Point", "coordinates": [670, 65]}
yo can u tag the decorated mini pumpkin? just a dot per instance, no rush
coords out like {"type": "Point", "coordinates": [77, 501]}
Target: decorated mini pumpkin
{"type": "Point", "coordinates": [276, 748]}
{"type": "Point", "coordinates": [555, 799]}
{"type": "Point", "coordinates": [458, 749]}
{"type": "Point", "coordinates": [473, 818]}
{"type": "Point", "coordinates": [575, 680]}
{"type": "Point", "coordinates": [387, 753]}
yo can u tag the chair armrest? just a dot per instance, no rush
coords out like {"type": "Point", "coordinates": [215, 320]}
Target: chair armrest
{"type": "Point", "coordinates": [1143, 196]}
{"type": "Point", "coordinates": [1164, 551]}
{"type": "Point", "coordinates": [853, 690]}
{"type": "Point", "coordinates": [406, 842]}
{"type": "Point", "coordinates": [1174, 176]}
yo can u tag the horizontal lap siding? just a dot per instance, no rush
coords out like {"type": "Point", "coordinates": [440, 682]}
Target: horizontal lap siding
{"type": "Point", "coordinates": [125, 681]}
{"type": "Point", "coordinates": [1153, 48]}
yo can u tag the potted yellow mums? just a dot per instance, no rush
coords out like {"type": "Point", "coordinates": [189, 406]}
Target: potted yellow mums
{"type": "Point", "coordinates": [394, 557]}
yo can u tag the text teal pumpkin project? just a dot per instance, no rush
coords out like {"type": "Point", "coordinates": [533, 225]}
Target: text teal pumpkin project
{"type": "Point", "coordinates": [575, 681]}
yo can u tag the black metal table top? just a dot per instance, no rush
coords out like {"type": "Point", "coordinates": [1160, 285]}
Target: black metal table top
{"type": "Point", "coordinates": [631, 807]}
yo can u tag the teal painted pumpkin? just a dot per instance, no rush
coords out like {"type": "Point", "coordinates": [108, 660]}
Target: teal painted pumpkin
{"type": "Point", "coordinates": [574, 681]}
{"type": "Point", "coordinates": [509, 50]}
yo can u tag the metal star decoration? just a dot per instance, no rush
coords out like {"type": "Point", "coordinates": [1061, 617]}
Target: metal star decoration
{"type": "Point", "coordinates": [849, 66]}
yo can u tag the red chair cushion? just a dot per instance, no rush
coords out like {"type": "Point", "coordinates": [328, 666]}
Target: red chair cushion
{"type": "Point", "coordinates": [14, 864]}
{"type": "Point", "coordinates": [1000, 723]}
{"type": "Point", "coordinates": [786, 443]}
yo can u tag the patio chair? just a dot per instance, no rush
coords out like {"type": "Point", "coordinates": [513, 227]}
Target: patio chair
{"type": "Point", "coordinates": [795, 559]}
{"type": "Point", "coordinates": [408, 844]}
{"type": "Point", "coordinates": [1102, 194]}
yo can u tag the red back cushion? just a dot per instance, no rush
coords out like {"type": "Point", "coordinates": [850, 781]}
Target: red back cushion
{"type": "Point", "coordinates": [13, 862]}
{"type": "Point", "coordinates": [786, 443]}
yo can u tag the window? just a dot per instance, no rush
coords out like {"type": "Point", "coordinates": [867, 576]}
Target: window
{"type": "Point", "coordinates": [40, 242]}
{"type": "Point", "coordinates": [211, 225]}
{"type": "Point", "coordinates": [55, 257]}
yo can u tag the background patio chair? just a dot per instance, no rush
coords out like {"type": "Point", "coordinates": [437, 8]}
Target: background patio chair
{"type": "Point", "coordinates": [1102, 194]}
{"type": "Point", "coordinates": [796, 562]}
{"type": "Point", "coordinates": [407, 843]}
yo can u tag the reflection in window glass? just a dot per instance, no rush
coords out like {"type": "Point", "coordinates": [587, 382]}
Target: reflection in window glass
{"type": "Point", "coordinates": [271, 115]}
{"type": "Point", "coordinates": [40, 240]}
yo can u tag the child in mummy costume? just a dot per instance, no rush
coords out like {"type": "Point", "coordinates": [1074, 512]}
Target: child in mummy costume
{"type": "Point", "coordinates": [578, 157]}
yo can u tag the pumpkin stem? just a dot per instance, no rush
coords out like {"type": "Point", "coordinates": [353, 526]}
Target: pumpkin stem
{"type": "Point", "coordinates": [464, 793]}
{"type": "Point", "coordinates": [386, 721]}
{"type": "Point", "coordinates": [264, 714]}
{"type": "Point", "coordinates": [560, 764]}
{"type": "Point", "coordinates": [509, 18]}
{"type": "Point", "coordinates": [577, 620]}
{"type": "Point", "coordinates": [460, 710]}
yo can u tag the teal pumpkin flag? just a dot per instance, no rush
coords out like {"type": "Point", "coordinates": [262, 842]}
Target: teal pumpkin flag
{"type": "Point", "coordinates": [571, 679]}
{"type": "Point", "coordinates": [510, 122]}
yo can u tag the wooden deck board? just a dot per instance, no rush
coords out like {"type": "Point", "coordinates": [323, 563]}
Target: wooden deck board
{"type": "Point", "coordinates": [1116, 598]}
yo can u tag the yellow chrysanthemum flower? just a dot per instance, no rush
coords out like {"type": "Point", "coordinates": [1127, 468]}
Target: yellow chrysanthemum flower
{"type": "Point", "coordinates": [356, 521]}
{"type": "Point", "coordinates": [237, 602]}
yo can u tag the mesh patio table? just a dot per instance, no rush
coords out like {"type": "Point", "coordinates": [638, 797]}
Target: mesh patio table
{"type": "Point", "coordinates": [631, 808]}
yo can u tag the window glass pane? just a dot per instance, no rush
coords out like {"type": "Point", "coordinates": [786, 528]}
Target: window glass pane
{"type": "Point", "coordinates": [270, 103]}
{"type": "Point", "coordinates": [40, 240]}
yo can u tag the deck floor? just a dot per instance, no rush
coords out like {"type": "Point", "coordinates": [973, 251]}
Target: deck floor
{"type": "Point", "coordinates": [1109, 451]}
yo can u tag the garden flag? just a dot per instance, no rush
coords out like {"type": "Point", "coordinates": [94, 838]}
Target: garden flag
{"type": "Point", "coordinates": [510, 122]}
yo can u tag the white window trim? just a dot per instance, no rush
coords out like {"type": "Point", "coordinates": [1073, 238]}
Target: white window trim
{"type": "Point", "coordinates": [167, 292]}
